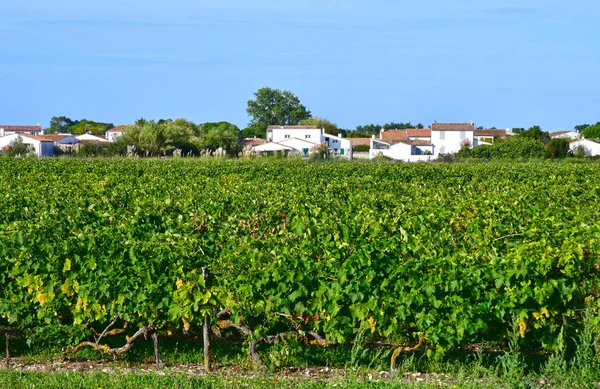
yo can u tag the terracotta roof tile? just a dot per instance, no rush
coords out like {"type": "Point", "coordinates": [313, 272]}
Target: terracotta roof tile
{"type": "Point", "coordinates": [360, 141]}
{"type": "Point", "coordinates": [406, 133]}
{"type": "Point", "coordinates": [118, 128]}
{"type": "Point", "coordinates": [489, 132]}
{"type": "Point", "coordinates": [20, 128]}
{"type": "Point", "coordinates": [453, 126]}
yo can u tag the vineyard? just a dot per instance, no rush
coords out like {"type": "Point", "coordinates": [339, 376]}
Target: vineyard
{"type": "Point", "coordinates": [430, 256]}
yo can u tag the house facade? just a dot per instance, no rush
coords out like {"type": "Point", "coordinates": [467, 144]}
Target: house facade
{"type": "Point", "coordinates": [114, 133]}
{"type": "Point", "coordinates": [23, 130]}
{"type": "Point", "coordinates": [573, 135]}
{"type": "Point", "coordinates": [303, 140]}
{"type": "Point", "coordinates": [414, 144]}
{"type": "Point", "coordinates": [38, 144]}
{"type": "Point", "coordinates": [91, 138]}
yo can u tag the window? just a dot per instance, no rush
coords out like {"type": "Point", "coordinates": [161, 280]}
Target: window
{"type": "Point", "coordinates": [463, 135]}
{"type": "Point", "coordinates": [327, 139]}
{"type": "Point", "coordinates": [287, 136]}
{"type": "Point", "coordinates": [306, 136]}
{"type": "Point", "coordinates": [341, 151]}
{"type": "Point", "coordinates": [335, 141]}
{"type": "Point", "coordinates": [305, 151]}
{"type": "Point", "coordinates": [442, 135]}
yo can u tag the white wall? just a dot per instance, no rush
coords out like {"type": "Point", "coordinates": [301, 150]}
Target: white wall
{"type": "Point", "coordinates": [41, 149]}
{"type": "Point", "coordinates": [452, 141]}
{"type": "Point", "coordinates": [338, 144]}
{"type": "Point", "coordinates": [592, 148]}
{"type": "Point", "coordinates": [569, 135]}
{"type": "Point", "coordinates": [112, 136]}
{"type": "Point", "coordinates": [311, 135]}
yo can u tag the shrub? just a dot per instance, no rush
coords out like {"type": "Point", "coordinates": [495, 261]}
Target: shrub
{"type": "Point", "coordinates": [580, 151]}
{"type": "Point", "coordinates": [17, 148]}
{"type": "Point", "coordinates": [518, 147]}
{"type": "Point", "coordinates": [361, 148]}
{"type": "Point", "coordinates": [557, 148]}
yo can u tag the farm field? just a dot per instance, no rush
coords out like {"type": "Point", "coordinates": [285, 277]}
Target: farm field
{"type": "Point", "coordinates": [432, 259]}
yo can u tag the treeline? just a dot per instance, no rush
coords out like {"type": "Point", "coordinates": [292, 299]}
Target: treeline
{"type": "Point", "coordinates": [167, 138]}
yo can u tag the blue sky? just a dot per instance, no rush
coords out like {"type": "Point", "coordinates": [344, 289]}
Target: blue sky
{"type": "Point", "coordinates": [502, 63]}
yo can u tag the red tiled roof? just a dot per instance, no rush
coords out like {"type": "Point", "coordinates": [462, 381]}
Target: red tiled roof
{"type": "Point", "coordinates": [406, 133]}
{"type": "Point", "coordinates": [120, 128]}
{"type": "Point", "coordinates": [21, 128]}
{"type": "Point", "coordinates": [493, 133]}
{"type": "Point", "coordinates": [360, 141]}
{"type": "Point", "coordinates": [453, 126]}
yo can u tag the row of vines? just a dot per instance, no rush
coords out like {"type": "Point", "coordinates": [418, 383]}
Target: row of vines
{"type": "Point", "coordinates": [438, 256]}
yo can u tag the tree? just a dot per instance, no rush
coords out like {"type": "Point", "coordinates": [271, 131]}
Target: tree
{"type": "Point", "coordinates": [321, 122]}
{"type": "Point", "coordinates": [536, 133]}
{"type": "Point", "coordinates": [220, 135]}
{"type": "Point", "coordinates": [275, 107]}
{"type": "Point", "coordinates": [592, 132]}
{"type": "Point", "coordinates": [558, 148]}
{"type": "Point", "coordinates": [60, 124]}
{"type": "Point", "coordinates": [581, 127]}
{"type": "Point", "coordinates": [518, 130]}
{"type": "Point", "coordinates": [84, 126]}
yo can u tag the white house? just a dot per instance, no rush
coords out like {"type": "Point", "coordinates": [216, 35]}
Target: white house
{"type": "Point", "coordinates": [90, 138]}
{"type": "Point", "coordinates": [41, 146]}
{"type": "Point", "coordinates": [303, 139]}
{"type": "Point", "coordinates": [23, 130]}
{"type": "Point", "coordinates": [590, 148]}
{"type": "Point", "coordinates": [425, 144]}
{"type": "Point", "coordinates": [449, 138]}
{"type": "Point", "coordinates": [573, 135]}
{"type": "Point", "coordinates": [406, 150]}
{"type": "Point", "coordinates": [114, 133]}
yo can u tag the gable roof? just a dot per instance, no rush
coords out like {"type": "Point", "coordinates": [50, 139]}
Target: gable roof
{"type": "Point", "coordinates": [360, 141]}
{"type": "Point", "coordinates": [252, 141]}
{"type": "Point", "coordinates": [41, 138]}
{"type": "Point", "coordinates": [409, 142]}
{"type": "Point", "coordinates": [453, 126]}
{"type": "Point", "coordinates": [492, 133]}
{"type": "Point", "coordinates": [21, 128]}
{"type": "Point", "coordinates": [120, 128]}
{"type": "Point", "coordinates": [406, 133]}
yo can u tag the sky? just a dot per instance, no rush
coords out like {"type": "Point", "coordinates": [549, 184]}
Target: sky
{"type": "Point", "coordinates": [500, 63]}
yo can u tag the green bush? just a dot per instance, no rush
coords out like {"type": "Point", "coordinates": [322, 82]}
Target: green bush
{"type": "Point", "coordinates": [361, 148]}
{"type": "Point", "coordinates": [515, 147]}
{"type": "Point", "coordinates": [558, 148]}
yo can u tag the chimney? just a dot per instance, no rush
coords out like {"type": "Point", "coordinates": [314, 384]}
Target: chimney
{"type": "Point", "coordinates": [373, 136]}
{"type": "Point", "coordinates": [340, 136]}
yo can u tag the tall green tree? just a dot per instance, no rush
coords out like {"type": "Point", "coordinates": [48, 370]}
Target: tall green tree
{"type": "Point", "coordinates": [60, 124]}
{"type": "Point", "coordinates": [581, 127]}
{"type": "Point", "coordinates": [536, 133]}
{"type": "Point", "coordinates": [275, 107]}
{"type": "Point", "coordinates": [592, 132]}
{"type": "Point", "coordinates": [321, 122]}
{"type": "Point", "coordinates": [85, 126]}
{"type": "Point", "coordinates": [220, 135]}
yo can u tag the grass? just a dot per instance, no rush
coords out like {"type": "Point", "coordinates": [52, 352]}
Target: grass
{"type": "Point", "coordinates": [290, 364]}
